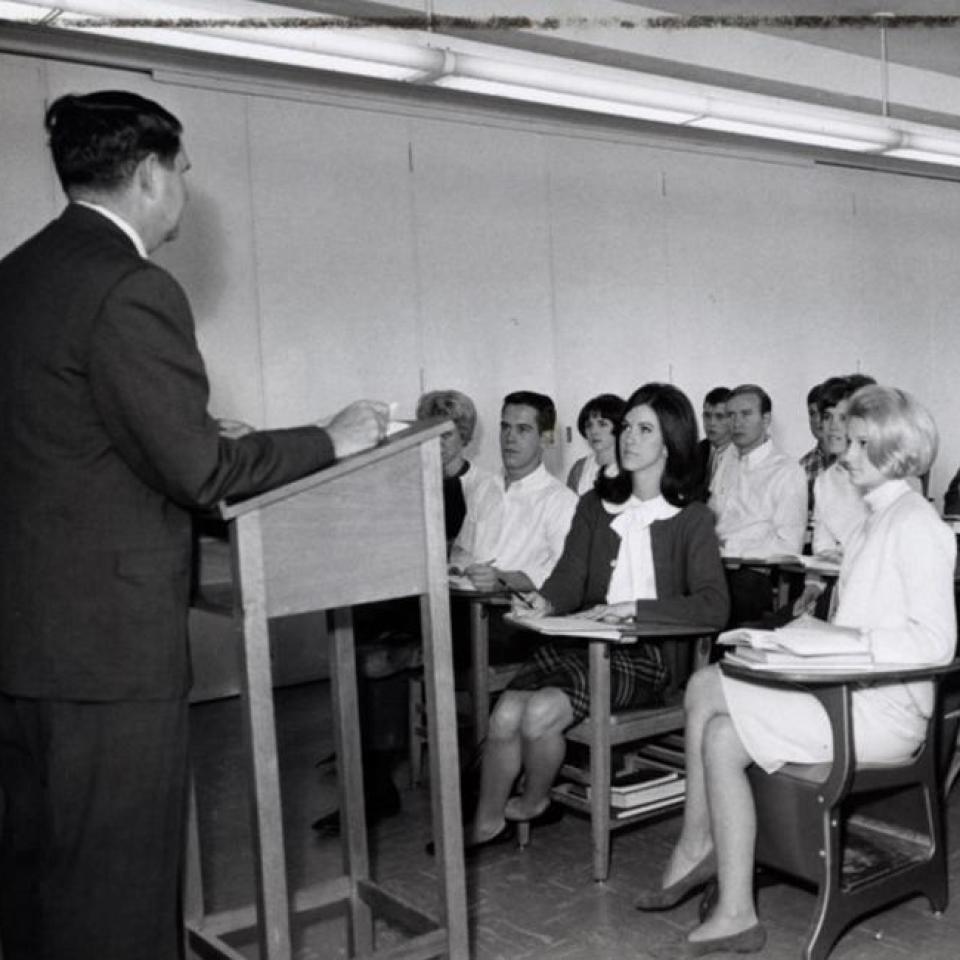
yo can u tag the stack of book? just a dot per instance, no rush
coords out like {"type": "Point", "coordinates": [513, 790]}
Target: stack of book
{"type": "Point", "coordinates": [805, 644]}
{"type": "Point", "coordinates": [642, 790]}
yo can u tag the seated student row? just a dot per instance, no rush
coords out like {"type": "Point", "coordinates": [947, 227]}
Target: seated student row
{"type": "Point", "coordinates": [895, 594]}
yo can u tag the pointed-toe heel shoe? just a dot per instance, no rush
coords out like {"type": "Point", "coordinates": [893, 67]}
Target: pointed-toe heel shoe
{"type": "Point", "coordinates": [746, 941]}
{"type": "Point", "coordinates": [664, 898]}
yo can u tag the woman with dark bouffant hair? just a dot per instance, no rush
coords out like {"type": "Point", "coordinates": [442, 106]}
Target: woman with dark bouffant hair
{"type": "Point", "coordinates": [642, 546]}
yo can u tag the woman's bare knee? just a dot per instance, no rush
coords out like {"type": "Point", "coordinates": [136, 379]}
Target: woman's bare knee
{"type": "Point", "coordinates": [704, 693]}
{"type": "Point", "coordinates": [548, 711]}
{"type": "Point", "coordinates": [507, 717]}
{"type": "Point", "coordinates": [722, 746]}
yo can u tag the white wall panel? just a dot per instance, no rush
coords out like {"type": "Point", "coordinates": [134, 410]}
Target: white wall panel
{"type": "Point", "coordinates": [482, 248]}
{"type": "Point", "coordinates": [334, 252]}
{"type": "Point", "coordinates": [29, 189]}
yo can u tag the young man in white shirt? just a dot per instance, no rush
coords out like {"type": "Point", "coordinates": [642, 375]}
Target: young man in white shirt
{"type": "Point", "coordinates": [519, 535]}
{"type": "Point", "coordinates": [760, 500]}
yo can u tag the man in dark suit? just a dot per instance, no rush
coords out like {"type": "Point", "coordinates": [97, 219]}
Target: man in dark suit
{"type": "Point", "coordinates": [716, 430]}
{"type": "Point", "coordinates": [107, 445]}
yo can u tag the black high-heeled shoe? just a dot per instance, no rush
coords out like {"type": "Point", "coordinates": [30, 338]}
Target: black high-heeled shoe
{"type": "Point", "coordinates": [506, 834]}
{"type": "Point", "coordinates": [551, 813]}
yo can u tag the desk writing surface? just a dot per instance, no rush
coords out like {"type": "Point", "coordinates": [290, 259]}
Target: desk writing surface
{"type": "Point", "coordinates": [370, 506]}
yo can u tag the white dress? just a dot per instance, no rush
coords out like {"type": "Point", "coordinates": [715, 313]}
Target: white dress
{"type": "Point", "coordinates": [896, 585]}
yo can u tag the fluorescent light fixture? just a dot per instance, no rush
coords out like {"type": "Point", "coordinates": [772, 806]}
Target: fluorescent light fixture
{"type": "Point", "coordinates": [783, 120]}
{"type": "Point", "coordinates": [413, 57]}
{"type": "Point", "coordinates": [569, 88]}
{"type": "Point", "coordinates": [321, 48]}
{"type": "Point", "coordinates": [927, 147]}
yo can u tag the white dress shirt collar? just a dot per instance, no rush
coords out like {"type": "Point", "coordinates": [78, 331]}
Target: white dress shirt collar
{"type": "Point", "coordinates": [118, 221]}
{"type": "Point", "coordinates": [757, 455]}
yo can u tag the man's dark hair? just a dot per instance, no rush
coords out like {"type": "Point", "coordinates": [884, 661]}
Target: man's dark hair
{"type": "Point", "coordinates": [858, 380]}
{"type": "Point", "coordinates": [752, 390]}
{"type": "Point", "coordinates": [717, 395]}
{"type": "Point", "coordinates": [607, 406]}
{"type": "Point", "coordinates": [98, 139]}
{"type": "Point", "coordinates": [813, 394]}
{"type": "Point", "coordinates": [836, 389]}
{"type": "Point", "coordinates": [546, 411]}
{"type": "Point", "coordinates": [682, 479]}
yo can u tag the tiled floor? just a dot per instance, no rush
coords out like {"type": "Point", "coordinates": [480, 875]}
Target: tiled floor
{"type": "Point", "coordinates": [523, 905]}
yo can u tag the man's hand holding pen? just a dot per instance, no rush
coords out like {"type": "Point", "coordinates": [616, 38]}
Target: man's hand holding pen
{"type": "Point", "coordinates": [484, 575]}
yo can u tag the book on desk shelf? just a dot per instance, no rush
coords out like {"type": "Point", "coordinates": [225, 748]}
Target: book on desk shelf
{"type": "Point", "coordinates": [805, 644]}
{"type": "Point", "coordinates": [636, 788]}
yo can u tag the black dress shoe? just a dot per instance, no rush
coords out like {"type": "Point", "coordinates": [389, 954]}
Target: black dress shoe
{"type": "Point", "coordinates": [377, 807]}
{"type": "Point", "coordinates": [506, 834]}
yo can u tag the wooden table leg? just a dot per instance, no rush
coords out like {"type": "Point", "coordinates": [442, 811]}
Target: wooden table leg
{"type": "Point", "coordinates": [600, 760]}
{"type": "Point", "coordinates": [353, 817]}
{"type": "Point", "coordinates": [257, 691]}
{"type": "Point", "coordinates": [479, 669]}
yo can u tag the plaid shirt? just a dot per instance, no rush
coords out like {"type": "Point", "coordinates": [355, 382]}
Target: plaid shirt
{"type": "Point", "coordinates": [814, 462]}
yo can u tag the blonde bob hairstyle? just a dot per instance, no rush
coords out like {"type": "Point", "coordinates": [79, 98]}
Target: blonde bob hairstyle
{"type": "Point", "coordinates": [902, 438]}
{"type": "Point", "coordinates": [453, 404]}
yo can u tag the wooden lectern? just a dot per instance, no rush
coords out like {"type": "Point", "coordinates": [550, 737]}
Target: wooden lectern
{"type": "Point", "coordinates": [368, 528]}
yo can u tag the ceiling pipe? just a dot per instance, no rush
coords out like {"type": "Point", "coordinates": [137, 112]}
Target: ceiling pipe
{"type": "Point", "coordinates": [530, 78]}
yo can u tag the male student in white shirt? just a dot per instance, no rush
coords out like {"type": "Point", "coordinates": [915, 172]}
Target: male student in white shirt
{"type": "Point", "coordinates": [520, 534]}
{"type": "Point", "coordinates": [760, 500]}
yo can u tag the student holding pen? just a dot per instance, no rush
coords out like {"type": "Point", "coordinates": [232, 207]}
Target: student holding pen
{"type": "Point", "coordinates": [518, 532]}
{"type": "Point", "coordinates": [641, 546]}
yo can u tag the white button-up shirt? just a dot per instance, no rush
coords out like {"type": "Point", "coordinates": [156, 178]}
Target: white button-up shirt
{"type": "Point", "coordinates": [522, 528]}
{"type": "Point", "coordinates": [838, 510]}
{"type": "Point", "coordinates": [760, 500]}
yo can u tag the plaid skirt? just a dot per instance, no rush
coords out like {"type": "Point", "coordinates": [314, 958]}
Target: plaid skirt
{"type": "Point", "coordinates": [637, 675]}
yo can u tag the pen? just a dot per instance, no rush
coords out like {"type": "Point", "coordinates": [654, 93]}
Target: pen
{"type": "Point", "coordinates": [515, 593]}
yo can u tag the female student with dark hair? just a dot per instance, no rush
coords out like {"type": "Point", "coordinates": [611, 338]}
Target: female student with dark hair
{"type": "Point", "coordinates": [896, 595]}
{"type": "Point", "coordinates": [597, 423]}
{"type": "Point", "coordinates": [641, 546]}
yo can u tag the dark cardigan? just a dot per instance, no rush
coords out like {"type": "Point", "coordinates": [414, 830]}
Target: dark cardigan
{"type": "Point", "coordinates": [691, 586]}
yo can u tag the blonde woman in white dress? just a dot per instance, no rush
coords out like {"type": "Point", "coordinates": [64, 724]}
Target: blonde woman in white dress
{"type": "Point", "coordinates": [896, 595]}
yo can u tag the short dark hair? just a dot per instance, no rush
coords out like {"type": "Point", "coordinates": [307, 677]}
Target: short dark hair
{"type": "Point", "coordinates": [607, 406]}
{"type": "Point", "coordinates": [834, 390]}
{"type": "Point", "coordinates": [717, 395]}
{"type": "Point", "coordinates": [546, 411]}
{"type": "Point", "coordinates": [813, 394]}
{"type": "Point", "coordinates": [682, 480]}
{"type": "Point", "coordinates": [752, 390]}
{"type": "Point", "coordinates": [98, 139]}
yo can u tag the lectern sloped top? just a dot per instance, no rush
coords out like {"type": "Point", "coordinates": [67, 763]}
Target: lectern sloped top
{"type": "Point", "coordinates": [414, 435]}
{"type": "Point", "coordinates": [358, 531]}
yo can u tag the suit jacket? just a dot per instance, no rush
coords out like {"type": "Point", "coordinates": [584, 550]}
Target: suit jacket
{"type": "Point", "coordinates": [107, 445]}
